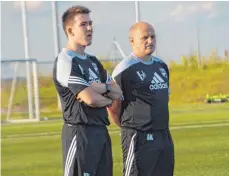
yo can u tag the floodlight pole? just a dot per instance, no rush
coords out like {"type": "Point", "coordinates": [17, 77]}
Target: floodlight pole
{"type": "Point", "coordinates": [26, 50]}
{"type": "Point", "coordinates": [137, 11]}
{"type": "Point", "coordinates": [56, 38]}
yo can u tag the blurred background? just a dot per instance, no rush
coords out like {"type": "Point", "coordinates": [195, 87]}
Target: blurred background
{"type": "Point", "coordinates": [176, 24]}
{"type": "Point", "coordinates": [192, 34]}
{"type": "Point", "coordinates": [192, 38]}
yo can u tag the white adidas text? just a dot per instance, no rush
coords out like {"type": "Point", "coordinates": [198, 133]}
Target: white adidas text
{"type": "Point", "coordinates": [157, 83]}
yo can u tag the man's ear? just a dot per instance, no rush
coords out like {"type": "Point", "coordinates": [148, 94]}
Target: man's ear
{"type": "Point", "coordinates": [69, 30]}
{"type": "Point", "coordinates": [131, 40]}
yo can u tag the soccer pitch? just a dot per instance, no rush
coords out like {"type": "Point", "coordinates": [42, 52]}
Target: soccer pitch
{"type": "Point", "coordinates": [200, 134]}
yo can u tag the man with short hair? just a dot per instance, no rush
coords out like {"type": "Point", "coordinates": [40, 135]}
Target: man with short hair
{"type": "Point", "coordinates": [85, 91]}
{"type": "Point", "coordinates": [143, 112]}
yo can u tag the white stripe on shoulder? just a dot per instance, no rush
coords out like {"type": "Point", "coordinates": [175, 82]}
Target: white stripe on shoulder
{"type": "Point", "coordinates": [123, 65]}
{"type": "Point", "coordinates": [63, 69]}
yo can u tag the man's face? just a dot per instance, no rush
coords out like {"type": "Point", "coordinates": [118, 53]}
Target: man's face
{"type": "Point", "coordinates": [144, 40]}
{"type": "Point", "coordinates": [82, 30]}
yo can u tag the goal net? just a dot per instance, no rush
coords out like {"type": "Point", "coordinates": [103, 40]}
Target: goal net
{"type": "Point", "coordinates": [19, 90]}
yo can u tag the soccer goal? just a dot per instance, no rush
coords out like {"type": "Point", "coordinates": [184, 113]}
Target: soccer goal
{"type": "Point", "coordinates": [19, 90]}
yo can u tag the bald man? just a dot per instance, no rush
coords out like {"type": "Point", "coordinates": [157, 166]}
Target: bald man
{"type": "Point", "coordinates": [142, 112]}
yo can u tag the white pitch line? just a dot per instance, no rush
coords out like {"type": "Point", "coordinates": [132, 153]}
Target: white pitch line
{"type": "Point", "coordinates": [204, 122]}
{"type": "Point", "coordinates": [199, 126]}
{"type": "Point", "coordinates": [186, 127]}
{"type": "Point", "coordinates": [32, 135]}
{"type": "Point", "coordinates": [113, 131]}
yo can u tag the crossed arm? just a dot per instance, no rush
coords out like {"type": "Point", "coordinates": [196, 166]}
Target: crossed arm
{"type": "Point", "coordinates": [94, 94]}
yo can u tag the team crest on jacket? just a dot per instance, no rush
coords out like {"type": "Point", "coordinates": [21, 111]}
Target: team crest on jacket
{"type": "Point", "coordinates": [141, 75]}
{"type": "Point", "coordinates": [163, 72]}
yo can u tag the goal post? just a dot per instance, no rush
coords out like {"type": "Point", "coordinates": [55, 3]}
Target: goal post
{"type": "Point", "coordinates": [19, 95]}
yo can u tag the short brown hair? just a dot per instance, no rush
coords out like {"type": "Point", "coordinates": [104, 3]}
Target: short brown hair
{"type": "Point", "coordinates": [70, 14]}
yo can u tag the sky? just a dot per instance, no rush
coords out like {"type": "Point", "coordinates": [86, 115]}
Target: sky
{"type": "Point", "coordinates": [175, 24]}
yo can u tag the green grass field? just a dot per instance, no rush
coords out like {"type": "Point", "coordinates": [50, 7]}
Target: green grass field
{"type": "Point", "coordinates": [200, 135]}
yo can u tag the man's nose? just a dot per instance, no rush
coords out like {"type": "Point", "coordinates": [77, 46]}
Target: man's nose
{"type": "Point", "coordinates": [89, 27]}
{"type": "Point", "coordinates": [150, 40]}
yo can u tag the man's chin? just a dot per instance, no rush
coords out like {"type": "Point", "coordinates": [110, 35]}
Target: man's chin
{"type": "Point", "coordinates": [89, 43]}
{"type": "Point", "coordinates": [150, 52]}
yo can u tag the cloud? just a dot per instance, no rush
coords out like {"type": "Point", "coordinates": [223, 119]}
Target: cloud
{"type": "Point", "coordinates": [182, 11]}
{"type": "Point", "coordinates": [192, 8]}
{"type": "Point", "coordinates": [178, 10]}
{"type": "Point", "coordinates": [208, 6]}
{"type": "Point", "coordinates": [187, 9]}
{"type": "Point", "coordinates": [30, 5]}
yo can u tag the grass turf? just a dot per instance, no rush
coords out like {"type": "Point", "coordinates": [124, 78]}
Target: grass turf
{"type": "Point", "coordinates": [35, 148]}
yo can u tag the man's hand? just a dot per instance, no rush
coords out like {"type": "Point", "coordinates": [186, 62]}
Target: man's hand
{"type": "Point", "coordinates": [100, 88]}
{"type": "Point", "coordinates": [92, 98]}
{"type": "Point", "coordinates": [115, 92]}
